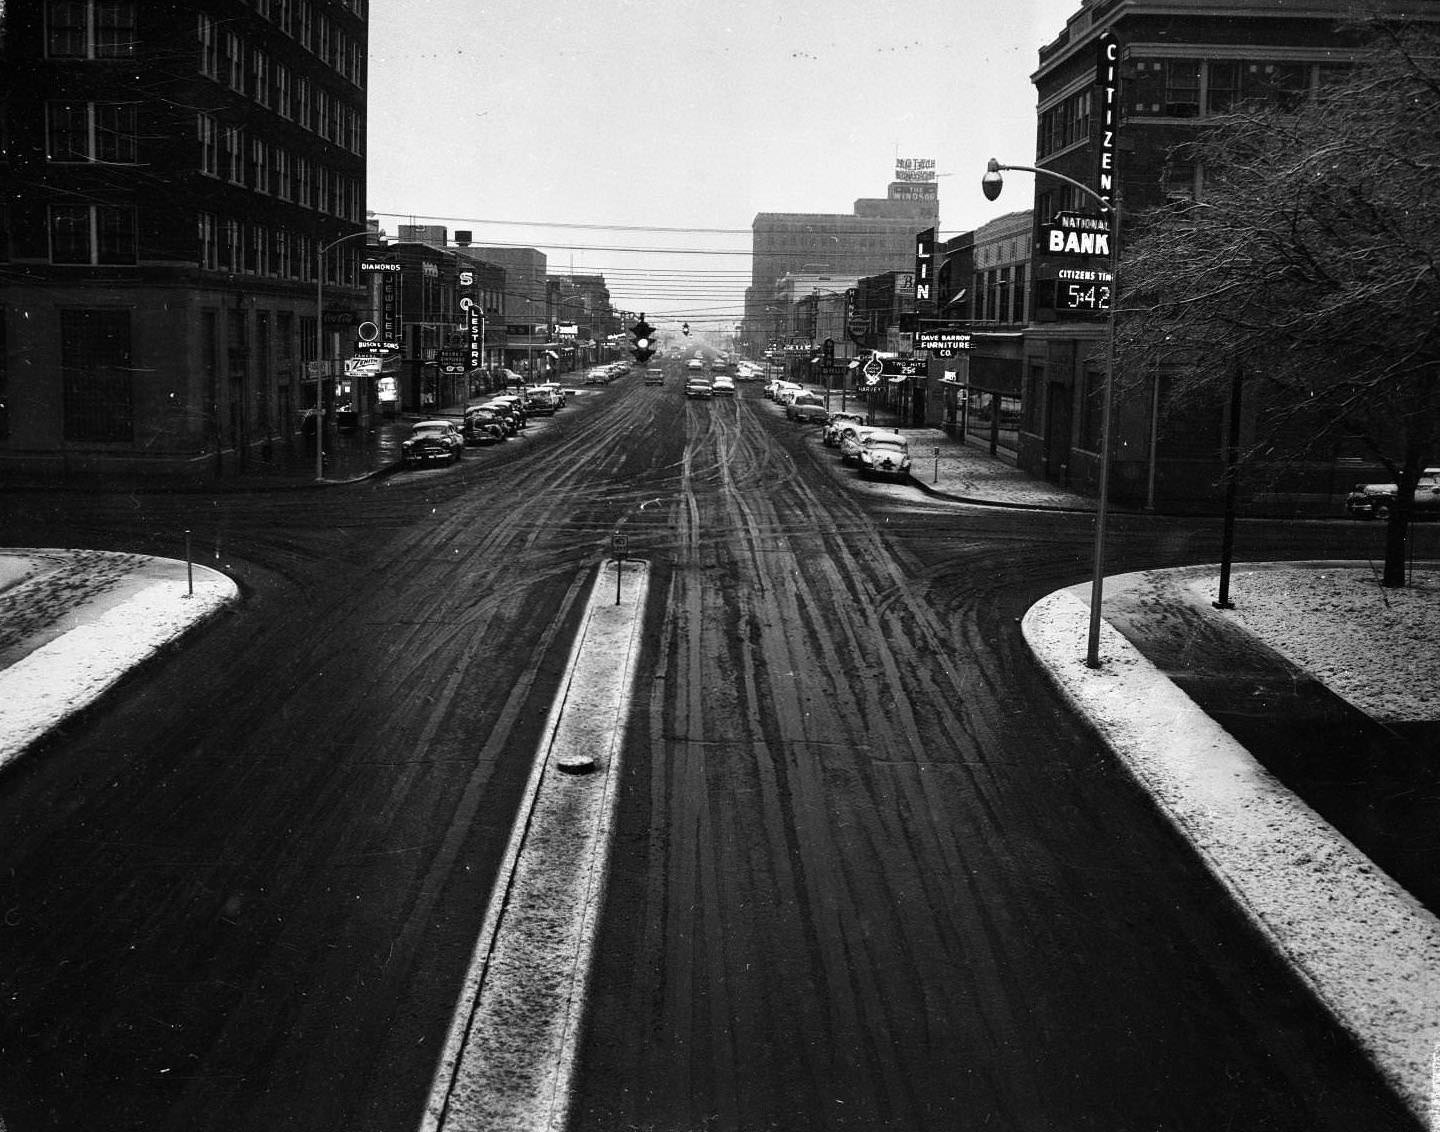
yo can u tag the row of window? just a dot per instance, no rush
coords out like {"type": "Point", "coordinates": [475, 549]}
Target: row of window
{"type": "Point", "coordinates": [1193, 88]}
{"type": "Point", "coordinates": [107, 29]}
{"type": "Point", "coordinates": [90, 29]}
{"type": "Point", "coordinates": [1186, 88]}
{"type": "Point", "coordinates": [269, 251]}
{"type": "Point", "coordinates": [274, 171]}
{"type": "Point", "coordinates": [271, 84]}
{"type": "Point", "coordinates": [225, 58]}
{"type": "Point", "coordinates": [1000, 295]}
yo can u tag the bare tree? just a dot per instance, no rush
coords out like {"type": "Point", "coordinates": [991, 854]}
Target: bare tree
{"type": "Point", "coordinates": [1309, 261]}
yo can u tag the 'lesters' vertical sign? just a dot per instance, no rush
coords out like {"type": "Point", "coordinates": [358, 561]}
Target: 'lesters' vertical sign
{"type": "Point", "coordinates": [1107, 77]}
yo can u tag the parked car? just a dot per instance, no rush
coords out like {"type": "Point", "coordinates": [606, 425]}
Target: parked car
{"type": "Point", "coordinates": [698, 387]}
{"type": "Point", "coordinates": [1376, 500]}
{"type": "Point", "coordinates": [433, 442]}
{"type": "Point", "coordinates": [511, 409]}
{"type": "Point", "coordinates": [851, 437]}
{"type": "Point", "coordinates": [722, 386]}
{"type": "Point", "coordinates": [559, 390]}
{"type": "Point", "coordinates": [808, 407]}
{"type": "Point", "coordinates": [483, 426]}
{"type": "Point", "coordinates": [884, 454]}
{"type": "Point", "coordinates": [541, 401]}
{"type": "Point", "coordinates": [831, 436]}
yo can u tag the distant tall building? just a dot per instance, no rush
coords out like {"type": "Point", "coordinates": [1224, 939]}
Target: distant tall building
{"type": "Point", "coordinates": [172, 173]}
{"type": "Point", "coordinates": [878, 235]}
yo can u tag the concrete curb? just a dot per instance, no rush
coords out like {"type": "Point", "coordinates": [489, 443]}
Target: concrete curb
{"type": "Point", "coordinates": [1366, 948]}
{"type": "Point", "coordinates": [508, 1060]}
{"type": "Point", "coordinates": [67, 675]}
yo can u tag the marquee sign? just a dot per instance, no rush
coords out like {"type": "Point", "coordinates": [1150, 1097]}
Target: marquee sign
{"type": "Point", "coordinates": [1077, 234]}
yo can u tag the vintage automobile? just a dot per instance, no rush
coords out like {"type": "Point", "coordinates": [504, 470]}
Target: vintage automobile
{"type": "Point", "coordinates": [541, 401]}
{"type": "Point", "coordinates": [654, 376]}
{"type": "Point", "coordinates": [1377, 500]}
{"type": "Point", "coordinates": [483, 426]}
{"type": "Point", "coordinates": [722, 386]}
{"type": "Point", "coordinates": [510, 407]}
{"type": "Point", "coordinates": [886, 455]}
{"type": "Point", "coordinates": [851, 437]}
{"type": "Point", "coordinates": [831, 436]}
{"type": "Point", "coordinates": [699, 387]}
{"type": "Point", "coordinates": [807, 407]}
{"type": "Point", "coordinates": [433, 442]}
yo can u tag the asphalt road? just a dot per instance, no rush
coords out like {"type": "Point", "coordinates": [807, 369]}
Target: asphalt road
{"type": "Point", "coordinates": [869, 873]}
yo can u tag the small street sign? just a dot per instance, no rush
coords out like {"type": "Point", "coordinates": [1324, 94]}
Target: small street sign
{"type": "Point", "coordinates": [872, 369]}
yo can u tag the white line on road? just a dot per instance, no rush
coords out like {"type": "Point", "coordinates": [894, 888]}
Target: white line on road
{"type": "Point", "coordinates": [507, 1062]}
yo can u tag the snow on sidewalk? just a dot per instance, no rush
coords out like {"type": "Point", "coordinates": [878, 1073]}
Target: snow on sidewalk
{"type": "Point", "coordinates": [140, 610]}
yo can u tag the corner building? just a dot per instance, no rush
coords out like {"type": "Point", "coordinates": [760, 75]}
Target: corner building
{"type": "Point", "coordinates": [174, 171]}
{"type": "Point", "coordinates": [1180, 64]}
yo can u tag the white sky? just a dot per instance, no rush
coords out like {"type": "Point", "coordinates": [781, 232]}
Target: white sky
{"type": "Point", "coordinates": [689, 114]}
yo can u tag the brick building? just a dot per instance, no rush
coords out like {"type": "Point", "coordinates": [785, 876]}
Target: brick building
{"type": "Point", "coordinates": [1179, 64]}
{"type": "Point", "coordinates": [183, 167]}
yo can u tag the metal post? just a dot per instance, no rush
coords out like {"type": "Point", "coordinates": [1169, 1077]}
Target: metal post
{"type": "Point", "coordinates": [320, 250]}
{"type": "Point", "coordinates": [1232, 461]}
{"type": "Point", "coordinates": [189, 567]}
{"type": "Point", "coordinates": [1097, 580]}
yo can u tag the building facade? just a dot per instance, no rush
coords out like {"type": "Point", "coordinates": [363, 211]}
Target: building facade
{"type": "Point", "coordinates": [1179, 65]}
{"type": "Point", "coordinates": [878, 235]}
{"type": "Point", "coordinates": [194, 183]}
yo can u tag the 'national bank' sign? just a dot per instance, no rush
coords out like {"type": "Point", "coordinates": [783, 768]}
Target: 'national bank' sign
{"type": "Point", "coordinates": [1076, 233]}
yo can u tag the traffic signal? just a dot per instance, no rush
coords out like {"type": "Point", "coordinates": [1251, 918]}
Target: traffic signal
{"type": "Point", "coordinates": [644, 338]}
{"type": "Point", "coordinates": [685, 329]}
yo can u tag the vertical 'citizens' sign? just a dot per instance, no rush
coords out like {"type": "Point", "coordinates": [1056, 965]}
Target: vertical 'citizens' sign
{"type": "Point", "coordinates": [1107, 77]}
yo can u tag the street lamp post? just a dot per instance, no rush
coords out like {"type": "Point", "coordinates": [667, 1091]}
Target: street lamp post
{"type": "Point", "coordinates": [991, 184]}
{"type": "Point", "coordinates": [320, 344]}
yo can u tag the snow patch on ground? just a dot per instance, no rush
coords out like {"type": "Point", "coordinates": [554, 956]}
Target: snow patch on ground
{"type": "Point", "coordinates": [1367, 949]}
{"type": "Point", "coordinates": [69, 672]}
{"type": "Point", "coordinates": [1377, 648]}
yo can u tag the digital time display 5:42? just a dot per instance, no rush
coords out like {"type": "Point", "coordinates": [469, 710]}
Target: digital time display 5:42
{"type": "Point", "coordinates": [1093, 295]}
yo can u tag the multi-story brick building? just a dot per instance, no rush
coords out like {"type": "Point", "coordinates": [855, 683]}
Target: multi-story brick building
{"type": "Point", "coordinates": [175, 172]}
{"type": "Point", "coordinates": [878, 235]}
{"type": "Point", "coordinates": [1180, 64]}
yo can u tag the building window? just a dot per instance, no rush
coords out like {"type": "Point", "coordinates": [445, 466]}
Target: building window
{"type": "Point", "coordinates": [302, 101]}
{"type": "Point", "coordinates": [208, 134]}
{"type": "Point", "coordinates": [91, 234]}
{"type": "Point", "coordinates": [208, 238]}
{"type": "Point", "coordinates": [304, 182]}
{"type": "Point", "coordinates": [307, 24]}
{"type": "Point", "coordinates": [235, 155]}
{"type": "Point", "coordinates": [1166, 88]}
{"type": "Point", "coordinates": [259, 166]}
{"type": "Point", "coordinates": [209, 49]}
{"type": "Point", "coordinates": [234, 62]}
{"type": "Point", "coordinates": [258, 252]}
{"type": "Point", "coordinates": [280, 89]}
{"type": "Point", "coordinates": [321, 125]}
{"type": "Point", "coordinates": [91, 131]}
{"type": "Point", "coordinates": [283, 16]}
{"type": "Point", "coordinates": [96, 375]}
{"type": "Point", "coordinates": [280, 172]}
{"type": "Point", "coordinates": [260, 76]}
{"type": "Point", "coordinates": [230, 246]}
{"type": "Point", "coordinates": [90, 29]}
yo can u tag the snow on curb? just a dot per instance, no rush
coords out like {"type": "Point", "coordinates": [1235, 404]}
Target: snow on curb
{"type": "Point", "coordinates": [1367, 949]}
{"type": "Point", "coordinates": [47, 686]}
{"type": "Point", "coordinates": [507, 1062]}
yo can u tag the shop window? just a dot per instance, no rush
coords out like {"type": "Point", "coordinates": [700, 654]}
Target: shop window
{"type": "Point", "coordinates": [97, 375]}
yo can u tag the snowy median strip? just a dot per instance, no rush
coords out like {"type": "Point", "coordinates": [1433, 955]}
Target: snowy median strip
{"type": "Point", "coordinates": [45, 687]}
{"type": "Point", "coordinates": [506, 1066]}
{"type": "Point", "coordinates": [1367, 949]}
